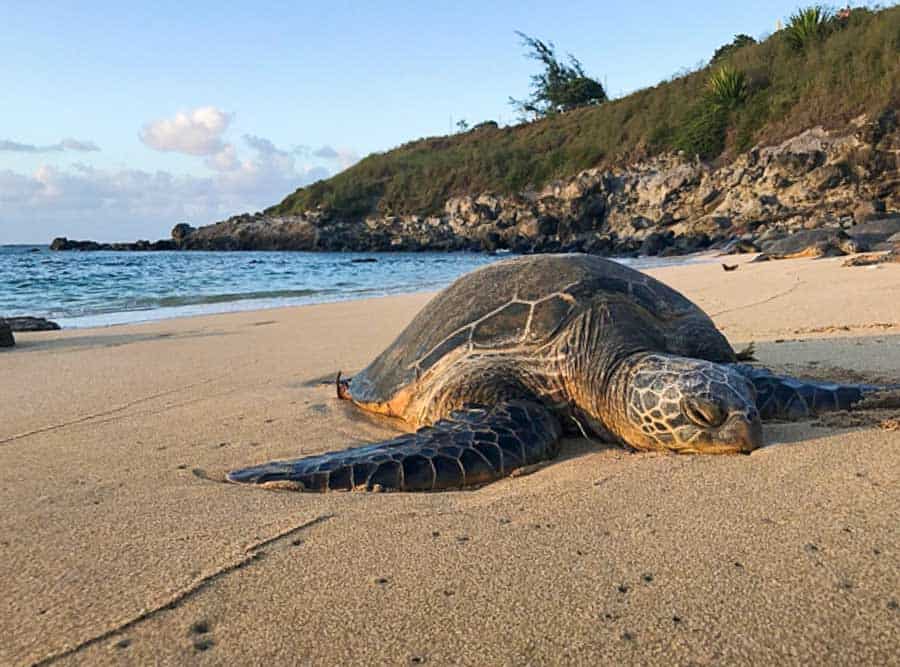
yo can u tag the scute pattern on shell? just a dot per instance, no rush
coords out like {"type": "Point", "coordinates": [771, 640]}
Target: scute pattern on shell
{"type": "Point", "coordinates": [521, 304]}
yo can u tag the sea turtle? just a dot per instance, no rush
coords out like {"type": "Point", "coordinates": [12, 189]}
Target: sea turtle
{"type": "Point", "coordinates": [494, 368]}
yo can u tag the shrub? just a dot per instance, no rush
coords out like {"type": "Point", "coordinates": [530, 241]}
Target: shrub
{"type": "Point", "coordinates": [807, 26]}
{"type": "Point", "coordinates": [738, 42]}
{"type": "Point", "coordinates": [703, 134]}
{"type": "Point", "coordinates": [727, 87]}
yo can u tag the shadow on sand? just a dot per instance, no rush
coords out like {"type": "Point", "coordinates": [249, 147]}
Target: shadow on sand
{"type": "Point", "coordinates": [35, 343]}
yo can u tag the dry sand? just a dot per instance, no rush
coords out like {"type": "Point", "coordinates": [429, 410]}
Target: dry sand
{"type": "Point", "coordinates": [115, 549]}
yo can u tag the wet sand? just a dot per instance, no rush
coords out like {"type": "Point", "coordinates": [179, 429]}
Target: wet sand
{"type": "Point", "coordinates": [118, 545]}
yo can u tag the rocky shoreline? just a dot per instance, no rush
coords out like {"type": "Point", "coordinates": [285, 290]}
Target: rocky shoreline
{"type": "Point", "coordinates": [829, 182]}
{"type": "Point", "coordinates": [8, 325]}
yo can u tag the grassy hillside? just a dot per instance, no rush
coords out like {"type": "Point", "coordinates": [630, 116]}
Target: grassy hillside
{"type": "Point", "coordinates": [854, 69]}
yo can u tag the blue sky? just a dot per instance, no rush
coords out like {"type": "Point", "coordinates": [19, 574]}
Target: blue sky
{"type": "Point", "coordinates": [119, 121]}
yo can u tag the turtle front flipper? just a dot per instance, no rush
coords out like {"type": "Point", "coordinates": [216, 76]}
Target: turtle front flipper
{"type": "Point", "coordinates": [473, 446]}
{"type": "Point", "coordinates": [779, 397]}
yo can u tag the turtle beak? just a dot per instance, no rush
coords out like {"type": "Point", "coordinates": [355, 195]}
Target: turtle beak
{"type": "Point", "coordinates": [743, 433]}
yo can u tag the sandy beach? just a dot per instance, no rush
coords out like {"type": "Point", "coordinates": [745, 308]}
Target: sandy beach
{"type": "Point", "coordinates": [118, 544]}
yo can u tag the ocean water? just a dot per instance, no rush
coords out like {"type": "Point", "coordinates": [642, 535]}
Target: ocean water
{"type": "Point", "coordinates": [85, 289]}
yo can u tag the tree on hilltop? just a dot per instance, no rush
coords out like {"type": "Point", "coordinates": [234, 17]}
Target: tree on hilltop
{"type": "Point", "coordinates": [739, 42]}
{"type": "Point", "coordinates": [560, 87]}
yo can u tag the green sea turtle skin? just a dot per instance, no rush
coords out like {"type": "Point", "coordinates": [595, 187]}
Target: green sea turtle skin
{"type": "Point", "coordinates": [457, 451]}
{"type": "Point", "coordinates": [496, 366]}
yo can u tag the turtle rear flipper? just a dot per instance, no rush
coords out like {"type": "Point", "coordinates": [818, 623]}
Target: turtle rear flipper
{"type": "Point", "coordinates": [788, 398]}
{"type": "Point", "coordinates": [473, 446]}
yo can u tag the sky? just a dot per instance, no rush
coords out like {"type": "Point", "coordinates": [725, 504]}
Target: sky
{"type": "Point", "coordinates": [120, 119]}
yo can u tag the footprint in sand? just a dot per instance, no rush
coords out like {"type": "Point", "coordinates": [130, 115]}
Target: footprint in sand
{"type": "Point", "coordinates": [198, 631]}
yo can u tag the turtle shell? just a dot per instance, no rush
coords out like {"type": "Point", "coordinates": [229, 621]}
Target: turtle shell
{"type": "Point", "coordinates": [523, 303]}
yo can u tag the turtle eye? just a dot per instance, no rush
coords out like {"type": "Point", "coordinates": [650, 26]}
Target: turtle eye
{"type": "Point", "coordinates": [703, 412]}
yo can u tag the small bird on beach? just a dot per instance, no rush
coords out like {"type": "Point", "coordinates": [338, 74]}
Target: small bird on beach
{"type": "Point", "coordinates": [729, 267]}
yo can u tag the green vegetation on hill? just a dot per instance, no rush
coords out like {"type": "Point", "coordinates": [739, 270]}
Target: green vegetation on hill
{"type": "Point", "coordinates": [754, 93]}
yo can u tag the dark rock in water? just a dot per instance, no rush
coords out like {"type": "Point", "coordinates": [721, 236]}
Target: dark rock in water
{"type": "Point", "coordinates": [62, 243]}
{"type": "Point", "coordinates": [6, 336]}
{"type": "Point", "coordinates": [31, 324]}
{"type": "Point", "coordinates": [162, 244]}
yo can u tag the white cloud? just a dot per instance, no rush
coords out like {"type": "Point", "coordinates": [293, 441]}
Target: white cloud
{"type": "Point", "coordinates": [196, 132]}
{"type": "Point", "coordinates": [64, 145]}
{"type": "Point", "coordinates": [344, 157]}
{"type": "Point", "coordinates": [76, 145]}
{"type": "Point", "coordinates": [225, 160]}
{"type": "Point", "coordinates": [80, 201]}
{"type": "Point", "coordinates": [264, 146]}
{"type": "Point", "coordinates": [127, 204]}
{"type": "Point", "coordinates": [326, 152]}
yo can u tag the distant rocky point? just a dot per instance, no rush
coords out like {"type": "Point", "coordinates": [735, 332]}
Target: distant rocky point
{"type": "Point", "coordinates": [62, 243]}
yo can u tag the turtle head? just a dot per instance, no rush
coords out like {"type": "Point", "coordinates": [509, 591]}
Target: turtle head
{"type": "Point", "coordinates": [688, 406]}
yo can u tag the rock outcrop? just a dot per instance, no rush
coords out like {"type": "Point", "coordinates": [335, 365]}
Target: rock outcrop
{"type": "Point", "coordinates": [892, 256]}
{"type": "Point", "coordinates": [670, 204]}
{"type": "Point", "coordinates": [31, 324]}
{"type": "Point", "coordinates": [62, 243]}
{"type": "Point", "coordinates": [6, 336]}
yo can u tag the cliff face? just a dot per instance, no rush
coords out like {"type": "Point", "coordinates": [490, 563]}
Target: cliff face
{"type": "Point", "coordinates": [667, 205]}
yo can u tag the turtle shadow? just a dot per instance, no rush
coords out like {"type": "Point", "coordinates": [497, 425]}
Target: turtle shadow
{"type": "Point", "coordinates": [577, 446]}
{"type": "Point", "coordinates": [788, 434]}
{"type": "Point", "coordinates": [353, 415]}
